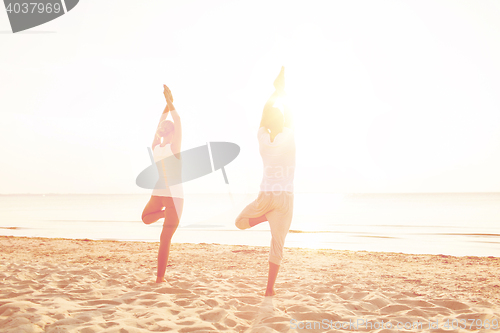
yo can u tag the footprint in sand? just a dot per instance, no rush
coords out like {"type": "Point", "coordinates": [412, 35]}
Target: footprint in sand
{"type": "Point", "coordinates": [378, 302]}
{"type": "Point", "coordinates": [346, 295]}
{"type": "Point", "coordinates": [357, 306]}
{"type": "Point", "coordinates": [103, 302]}
{"type": "Point", "coordinates": [246, 315]}
{"type": "Point", "coordinates": [250, 300]}
{"type": "Point", "coordinates": [84, 317]}
{"type": "Point", "coordinates": [147, 302]}
{"type": "Point", "coordinates": [11, 308]}
{"type": "Point", "coordinates": [394, 308]}
{"type": "Point", "coordinates": [148, 296]}
{"type": "Point", "coordinates": [211, 302]}
{"type": "Point", "coordinates": [360, 295]}
{"type": "Point", "coordinates": [230, 322]}
{"type": "Point", "coordinates": [437, 310]}
{"type": "Point", "coordinates": [418, 313]}
{"type": "Point", "coordinates": [198, 328]}
{"type": "Point", "coordinates": [161, 326]}
{"type": "Point", "coordinates": [270, 327]}
{"type": "Point", "coordinates": [451, 304]}
{"type": "Point", "coordinates": [16, 322]}
{"type": "Point", "coordinates": [90, 329]}
{"type": "Point", "coordinates": [60, 325]}
{"type": "Point", "coordinates": [476, 316]}
{"type": "Point", "coordinates": [168, 290]}
{"type": "Point", "coordinates": [213, 316]}
{"type": "Point", "coordinates": [417, 302]}
{"type": "Point", "coordinates": [108, 324]}
{"type": "Point", "coordinates": [182, 302]}
{"type": "Point", "coordinates": [16, 294]}
{"type": "Point", "coordinates": [314, 316]}
{"type": "Point", "coordinates": [276, 319]}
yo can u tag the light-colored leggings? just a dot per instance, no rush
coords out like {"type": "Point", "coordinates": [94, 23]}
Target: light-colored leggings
{"type": "Point", "coordinates": [278, 209]}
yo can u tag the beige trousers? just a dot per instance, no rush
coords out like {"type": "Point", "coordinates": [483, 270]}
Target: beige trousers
{"type": "Point", "coordinates": [278, 209]}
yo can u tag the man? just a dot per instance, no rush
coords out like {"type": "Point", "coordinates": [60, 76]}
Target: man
{"type": "Point", "coordinates": [275, 200]}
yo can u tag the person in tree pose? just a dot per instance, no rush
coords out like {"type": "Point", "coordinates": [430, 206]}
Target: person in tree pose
{"type": "Point", "coordinates": [166, 201]}
{"type": "Point", "coordinates": [275, 200]}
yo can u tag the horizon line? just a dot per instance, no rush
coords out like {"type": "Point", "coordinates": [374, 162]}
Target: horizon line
{"type": "Point", "coordinates": [210, 193]}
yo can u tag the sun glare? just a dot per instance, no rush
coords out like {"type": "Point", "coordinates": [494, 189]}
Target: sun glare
{"type": "Point", "coordinates": [279, 103]}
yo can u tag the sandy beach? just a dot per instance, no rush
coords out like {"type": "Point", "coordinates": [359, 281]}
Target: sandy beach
{"type": "Point", "coordinates": [63, 285]}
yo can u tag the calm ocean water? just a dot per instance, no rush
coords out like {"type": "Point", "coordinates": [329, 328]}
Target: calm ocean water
{"type": "Point", "coordinates": [453, 224]}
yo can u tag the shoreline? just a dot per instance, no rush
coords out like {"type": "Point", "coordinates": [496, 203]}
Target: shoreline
{"type": "Point", "coordinates": [71, 285]}
{"type": "Point", "coordinates": [289, 243]}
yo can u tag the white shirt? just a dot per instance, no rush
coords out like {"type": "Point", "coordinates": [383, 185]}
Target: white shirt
{"type": "Point", "coordinates": [278, 158]}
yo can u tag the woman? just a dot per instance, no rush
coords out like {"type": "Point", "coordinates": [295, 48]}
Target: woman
{"type": "Point", "coordinates": [275, 200]}
{"type": "Point", "coordinates": [166, 201]}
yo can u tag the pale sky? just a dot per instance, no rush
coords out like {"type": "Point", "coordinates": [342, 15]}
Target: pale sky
{"type": "Point", "coordinates": [388, 96]}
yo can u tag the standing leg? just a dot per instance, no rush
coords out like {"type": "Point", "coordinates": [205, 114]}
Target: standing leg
{"type": "Point", "coordinates": [173, 212]}
{"type": "Point", "coordinates": [279, 221]}
{"type": "Point", "coordinates": [271, 279]}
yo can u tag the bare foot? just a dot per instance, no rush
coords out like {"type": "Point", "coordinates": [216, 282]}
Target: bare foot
{"type": "Point", "coordinates": [270, 293]}
{"type": "Point", "coordinates": [160, 280]}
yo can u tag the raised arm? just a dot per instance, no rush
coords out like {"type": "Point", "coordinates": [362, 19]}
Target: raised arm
{"type": "Point", "coordinates": [279, 85]}
{"type": "Point", "coordinates": [267, 107]}
{"type": "Point", "coordinates": [177, 139]}
{"type": "Point", "coordinates": [157, 138]}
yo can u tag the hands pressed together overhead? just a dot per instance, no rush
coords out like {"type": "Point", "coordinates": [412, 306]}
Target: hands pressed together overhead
{"type": "Point", "coordinates": [279, 82]}
{"type": "Point", "coordinates": [168, 97]}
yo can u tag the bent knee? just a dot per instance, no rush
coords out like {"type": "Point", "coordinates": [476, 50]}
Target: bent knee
{"type": "Point", "coordinates": [145, 219]}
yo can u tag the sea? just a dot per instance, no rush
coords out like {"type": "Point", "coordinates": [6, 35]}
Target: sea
{"type": "Point", "coordinates": [458, 224]}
